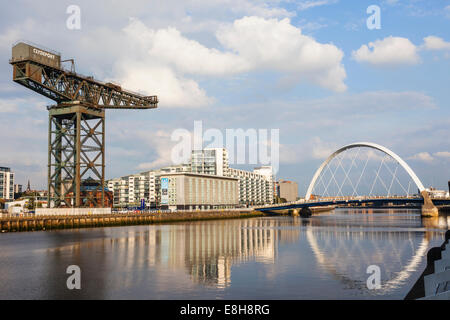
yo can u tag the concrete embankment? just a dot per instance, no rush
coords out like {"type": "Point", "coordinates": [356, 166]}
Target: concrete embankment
{"type": "Point", "coordinates": [295, 212]}
{"type": "Point", "coordinates": [18, 224]}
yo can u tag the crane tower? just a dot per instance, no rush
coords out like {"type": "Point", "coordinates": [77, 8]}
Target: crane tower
{"type": "Point", "coordinates": [76, 131]}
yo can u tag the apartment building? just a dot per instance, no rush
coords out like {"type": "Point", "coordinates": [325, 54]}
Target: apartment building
{"type": "Point", "coordinates": [193, 191]}
{"type": "Point", "coordinates": [6, 184]}
{"type": "Point", "coordinates": [129, 191]}
{"type": "Point", "coordinates": [255, 188]}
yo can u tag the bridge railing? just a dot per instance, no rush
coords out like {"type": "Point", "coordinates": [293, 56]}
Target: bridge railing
{"type": "Point", "coordinates": [336, 199]}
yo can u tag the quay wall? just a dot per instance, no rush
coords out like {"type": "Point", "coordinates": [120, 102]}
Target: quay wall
{"type": "Point", "coordinates": [54, 222]}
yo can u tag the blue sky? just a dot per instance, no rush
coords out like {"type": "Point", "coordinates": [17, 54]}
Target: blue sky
{"type": "Point", "coordinates": [309, 68]}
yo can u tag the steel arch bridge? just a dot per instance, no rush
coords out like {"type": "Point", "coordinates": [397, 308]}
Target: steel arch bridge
{"type": "Point", "coordinates": [428, 207]}
{"type": "Point", "coordinates": [368, 145]}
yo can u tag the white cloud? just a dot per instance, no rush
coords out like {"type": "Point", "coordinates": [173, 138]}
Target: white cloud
{"type": "Point", "coordinates": [271, 44]}
{"type": "Point", "coordinates": [321, 149]}
{"type": "Point", "coordinates": [9, 105]}
{"type": "Point", "coordinates": [390, 51]}
{"type": "Point", "coordinates": [160, 142]}
{"type": "Point", "coordinates": [442, 154]}
{"type": "Point", "coordinates": [435, 43]}
{"type": "Point", "coordinates": [261, 9]}
{"type": "Point", "coordinates": [422, 156]}
{"type": "Point", "coordinates": [21, 105]}
{"type": "Point", "coordinates": [304, 5]}
{"type": "Point", "coordinates": [160, 60]}
{"type": "Point", "coordinates": [172, 89]}
{"type": "Point", "coordinates": [317, 149]}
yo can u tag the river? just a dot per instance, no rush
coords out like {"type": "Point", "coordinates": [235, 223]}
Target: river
{"type": "Point", "coordinates": [324, 257]}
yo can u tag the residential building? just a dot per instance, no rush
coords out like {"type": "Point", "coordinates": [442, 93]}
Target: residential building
{"type": "Point", "coordinates": [6, 184]}
{"type": "Point", "coordinates": [193, 191]}
{"type": "Point", "coordinates": [287, 190]}
{"type": "Point", "coordinates": [255, 188]}
{"type": "Point", "coordinates": [130, 190]}
{"type": "Point", "coordinates": [212, 161]}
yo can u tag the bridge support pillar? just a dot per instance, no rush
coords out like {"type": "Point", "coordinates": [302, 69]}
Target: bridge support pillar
{"type": "Point", "coordinates": [428, 208]}
{"type": "Point", "coordinates": [294, 212]}
{"type": "Point", "coordinates": [305, 212]}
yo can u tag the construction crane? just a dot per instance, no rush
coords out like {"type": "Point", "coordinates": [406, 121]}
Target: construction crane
{"type": "Point", "coordinates": [76, 131]}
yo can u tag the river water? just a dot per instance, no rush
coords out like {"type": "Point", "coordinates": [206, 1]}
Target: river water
{"type": "Point", "coordinates": [324, 257]}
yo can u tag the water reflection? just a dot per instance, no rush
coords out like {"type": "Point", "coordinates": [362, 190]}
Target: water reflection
{"type": "Point", "coordinates": [202, 259]}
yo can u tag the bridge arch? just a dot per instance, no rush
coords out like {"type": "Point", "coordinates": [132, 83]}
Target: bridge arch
{"type": "Point", "coordinates": [368, 145]}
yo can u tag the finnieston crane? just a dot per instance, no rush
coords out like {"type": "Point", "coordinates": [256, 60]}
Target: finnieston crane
{"type": "Point", "coordinates": [76, 131]}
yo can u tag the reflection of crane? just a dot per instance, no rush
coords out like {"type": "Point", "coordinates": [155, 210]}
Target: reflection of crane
{"type": "Point", "coordinates": [76, 158]}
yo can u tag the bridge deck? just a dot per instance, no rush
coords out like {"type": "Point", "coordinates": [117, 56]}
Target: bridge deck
{"type": "Point", "coordinates": [346, 201]}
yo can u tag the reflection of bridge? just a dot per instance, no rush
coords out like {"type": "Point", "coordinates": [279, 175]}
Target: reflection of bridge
{"type": "Point", "coordinates": [353, 196]}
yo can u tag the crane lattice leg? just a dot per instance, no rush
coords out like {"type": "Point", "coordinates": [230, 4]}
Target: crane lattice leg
{"type": "Point", "coordinates": [76, 157]}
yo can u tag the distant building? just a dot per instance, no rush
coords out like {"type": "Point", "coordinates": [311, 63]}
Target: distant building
{"type": "Point", "coordinates": [6, 184]}
{"type": "Point", "coordinates": [193, 191]}
{"type": "Point", "coordinates": [287, 190]}
{"type": "Point", "coordinates": [437, 193]}
{"type": "Point", "coordinates": [18, 188]}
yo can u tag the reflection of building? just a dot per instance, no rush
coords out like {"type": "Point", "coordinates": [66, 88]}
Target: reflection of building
{"type": "Point", "coordinates": [207, 250]}
{"type": "Point", "coordinates": [6, 184]}
{"type": "Point", "coordinates": [210, 249]}
{"type": "Point", "coordinates": [198, 191]}
{"type": "Point", "coordinates": [287, 190]}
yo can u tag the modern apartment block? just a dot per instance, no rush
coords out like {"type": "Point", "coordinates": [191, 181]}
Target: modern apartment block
{"type": "Point", "coordinates": [213, 161]}
{"type": "Point", "coordinates": [255, 188]}
{"type": "Point", "coordinates": [130, 190]}
{"type": "Point", "coordinates": [6, 184]}
{"type": "Point", "coordinates": [193, 191]}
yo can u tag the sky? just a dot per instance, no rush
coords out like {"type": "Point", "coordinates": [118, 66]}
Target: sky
{"type": "Point", "coordinates": [312, 69]}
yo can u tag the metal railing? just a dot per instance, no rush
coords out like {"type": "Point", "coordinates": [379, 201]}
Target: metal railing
{"type": "Point", "coordinates": [345, 198]}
